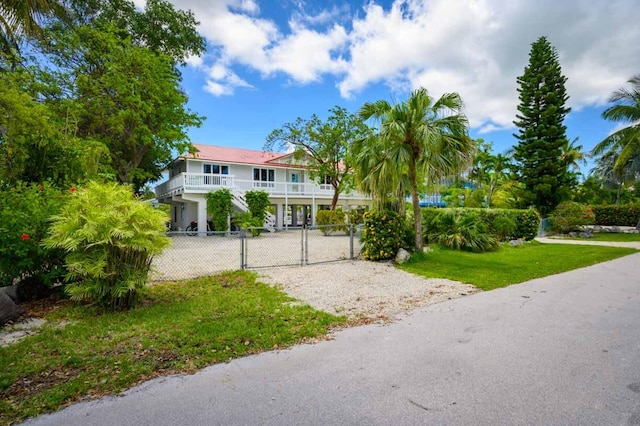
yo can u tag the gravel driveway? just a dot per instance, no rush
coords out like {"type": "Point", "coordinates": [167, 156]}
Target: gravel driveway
{"type": "Point", "coordinates": [361, 289]}
{"type": "Point", "coordinates": [355, 288]}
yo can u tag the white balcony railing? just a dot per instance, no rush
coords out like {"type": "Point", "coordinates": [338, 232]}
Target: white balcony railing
{"type": "Point", "coordinates": [202, 183]}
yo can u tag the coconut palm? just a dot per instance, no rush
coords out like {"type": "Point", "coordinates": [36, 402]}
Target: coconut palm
{"type": "Point", "coordinates": [418, 139]}
{"type": "Point", "coordinates": [572, 154]}
{"type": "Point", "coordinates": [499, 168]}
{"type": "Point", "coordinates": [24, 18]}
{"type": "Point", "coordinates": [625, 143]}
{"type": "Point", "coordinates": [617, 177]}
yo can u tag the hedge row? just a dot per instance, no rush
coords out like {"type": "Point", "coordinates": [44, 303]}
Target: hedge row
{"type": "Point", "coordinates": [616, 215]}
{"type": "Point", "coordinates": [527, 221]}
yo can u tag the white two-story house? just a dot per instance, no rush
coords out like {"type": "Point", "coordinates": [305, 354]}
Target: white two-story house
{"type": "Point", "coordinates": [295, 197]}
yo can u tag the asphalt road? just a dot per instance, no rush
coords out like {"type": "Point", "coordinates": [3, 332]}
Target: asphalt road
{"type": "Point", "coordinates": [562, 350]}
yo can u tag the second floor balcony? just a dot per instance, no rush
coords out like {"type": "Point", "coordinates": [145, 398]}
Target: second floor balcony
{"type": "Point", "coordinates": [204, 183]}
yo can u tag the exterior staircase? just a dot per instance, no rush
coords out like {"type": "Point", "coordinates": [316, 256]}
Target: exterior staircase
{"type": "Point", "coordinates": [241, 203]}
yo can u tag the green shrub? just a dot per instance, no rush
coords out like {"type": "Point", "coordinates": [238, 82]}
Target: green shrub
{"type": "Point", "coordinates": [219, 208]}
{"type": "Point", "coordinates": [382, 235]}
{"type": "Point", "coordinates": [617, 215]}
{"type": "Point", "coordinates": [247, 222]}
{"type": "Point", "coordinates": [25, 211]}
{"type": "Point", "coordinates": [356, 216]}
{"type": "Point", "coordinates": [330, 221]}
{"type": "Point", "coordinates": [459, 231]}
{"type": "Point", "coordinates": [526, 221]}
{"type": "Point", "coordinates": [570, 216]}
{"type": "Point", "coordinates": [504, 227]}
{"type": "Point", "coordinates": [110, 238]}
{"type": "Point", "coordinates": [258, 201]}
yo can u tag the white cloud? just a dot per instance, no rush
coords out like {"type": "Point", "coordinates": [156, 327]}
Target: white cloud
{"type": "Point", "coordinates": [474, 47]}
{"type": "Point", "coordinates": [222, 80]}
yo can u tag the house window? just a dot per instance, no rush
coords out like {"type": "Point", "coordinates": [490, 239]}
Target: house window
{"type": "Point", "coordinates": [215, 169]}
{"type": "Point", "coordinates": [264, 177]}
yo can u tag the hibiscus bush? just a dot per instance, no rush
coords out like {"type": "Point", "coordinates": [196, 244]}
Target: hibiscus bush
{"type": "Point", "coordinates": [25, 212]}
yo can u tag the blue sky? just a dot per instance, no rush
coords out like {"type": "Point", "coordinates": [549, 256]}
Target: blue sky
{"type": "Point", "coordinates": [268, 62]}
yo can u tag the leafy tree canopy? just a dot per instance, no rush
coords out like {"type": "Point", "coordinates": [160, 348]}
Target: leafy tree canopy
{"type": "Point", "coordinates": [327, 143]}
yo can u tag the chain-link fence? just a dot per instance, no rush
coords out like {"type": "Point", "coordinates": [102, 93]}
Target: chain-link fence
{"type": "Point", "coordinates": [193, 255]}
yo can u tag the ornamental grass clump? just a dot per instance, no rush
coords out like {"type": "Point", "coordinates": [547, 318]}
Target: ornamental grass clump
{"type": "Point", "coordinates": [110, 238]}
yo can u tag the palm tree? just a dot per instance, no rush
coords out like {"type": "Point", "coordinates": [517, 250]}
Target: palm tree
{"type": "Point", "coordinates": [24, 18]}
{"type": "Point", "coordinates": [417, 139]}
{"type": "Point", "coordinates": [617, 177]}
{"type": "Point", "coordinates": [572, 154]}
{"type": "Point", "coordinates": [625, 143]}
{"type": "Point", "coordinates": [499, 166]}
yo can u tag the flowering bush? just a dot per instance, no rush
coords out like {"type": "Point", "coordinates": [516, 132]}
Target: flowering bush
{"type": "Point", "coordinates": [570, 216]}
{"type": "Point", "coordinates": [382, 235]}
{"type": "Point", "coordinates": [25, 211]}
{"type": "Point", "coordinates": [109, 237]}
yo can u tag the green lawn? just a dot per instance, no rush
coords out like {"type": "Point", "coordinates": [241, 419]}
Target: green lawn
{"type": "Point", "coordinates": [181, 327]}
{"type": "Point", "coordinates": [509, 265]}
{"type": "Point", "coordinates": [611, 236]}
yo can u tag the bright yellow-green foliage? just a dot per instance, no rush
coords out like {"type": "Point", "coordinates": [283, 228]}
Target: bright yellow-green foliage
{"type": "Point", "coordinates": [183, 326]}
{"type": "Point", "coordinates": [331, 220]}
{"type": "Point", "coordinates": [110, 238]}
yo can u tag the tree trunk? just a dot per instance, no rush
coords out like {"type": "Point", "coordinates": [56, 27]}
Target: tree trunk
{"type": "Point", "coordinates": [415, 200]}
{"type": "Point", "coordinates": [336, 194]}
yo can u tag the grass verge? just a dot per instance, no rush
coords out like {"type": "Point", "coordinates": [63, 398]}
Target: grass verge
{"type": "Point", "coordinates": [181, 327]}
{"type": "Point", "coordinates": [509, 265]}
{"type": "Point", "coordinates": [612, 237]}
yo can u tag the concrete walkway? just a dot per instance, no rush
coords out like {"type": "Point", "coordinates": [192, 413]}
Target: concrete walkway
{"type": "Point", "coordinates": [633, 244]}
{"type": "Point", "coordinates": [562, 350]}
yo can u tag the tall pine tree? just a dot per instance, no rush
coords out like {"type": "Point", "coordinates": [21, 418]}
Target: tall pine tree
{"type": "Point", "coordinates": [542, 133]}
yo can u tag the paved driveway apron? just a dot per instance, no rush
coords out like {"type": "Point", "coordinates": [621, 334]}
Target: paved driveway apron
{"type": "Point", "coordinates": [559, 350]}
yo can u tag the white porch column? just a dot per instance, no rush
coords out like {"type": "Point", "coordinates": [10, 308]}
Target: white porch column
{"type": "Point", "coordinates": [202, 217]}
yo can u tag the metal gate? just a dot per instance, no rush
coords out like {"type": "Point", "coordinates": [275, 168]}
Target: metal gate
{"type": "Point", "coordinates": [298, 247]}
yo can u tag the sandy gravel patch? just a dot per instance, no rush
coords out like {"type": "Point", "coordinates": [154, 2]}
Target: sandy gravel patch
{"type": "Point", "coordinates": [360, 289]}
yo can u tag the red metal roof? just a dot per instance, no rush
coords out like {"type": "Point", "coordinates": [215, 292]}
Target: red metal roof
{"type": "Point", "coordinates": [233, 155]}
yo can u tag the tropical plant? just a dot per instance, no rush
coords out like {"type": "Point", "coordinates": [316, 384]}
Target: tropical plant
{"type": "Point", "coordinates": [110, 238]}
{"type": "Point", "coordinates": [418, 139]}
{"type": "Point", "coordinates": [24, 18]}
{"type": "Point", "coordinates": [617, 177]}
{"type": "Point", "coordinates": [573, 155]}
{"type": "Point", "coordinates": [219, 208]}
{"type": "Point", "coordinates": [462, 232]}
{"type": "Point", "coordinates": [541, 130]}
{"type": "Point", "coordinates": [247, 221]}
{"type": "Point", "coordinates": [626, 141]}
{"type": "Point", "coordinates": [504, 227]}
